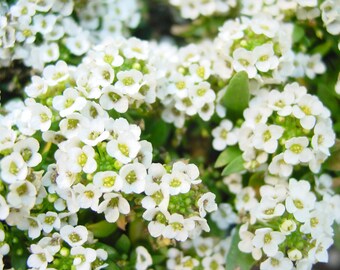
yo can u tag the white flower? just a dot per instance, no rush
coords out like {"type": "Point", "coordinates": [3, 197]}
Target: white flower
{"type": "Point", "coordinates": [281, 102]}
{"type": "Point", "coordinates": [190, 170]}
{"type": "Point", "coordinates": [83, 257]}
{"type": "Point", "coordinates": [224, 216]}
{"type": "Point", "coordinates": [266, 59]}
{"type": "Point", "coordinates": [4, 208]}
{"type": "Point", "coordinates": [108, 181]}
{"type": "Point", "coordinates": [314, 66]}
{"type": "Point", "coordinates": [113, 98]}
{"type": "Point", "coordinates": [133, 176]}
{"type": "Point", "coordinates": [265, 25]}
{"type": "Point", "coordinates": [40, 116]}
{"type": "Point", "coordinates": [288, 226]}
{"type": "Point", "coordinates": [223, 135]}
{"type": "Point", "coordinates": [268, 240]}
{"type": "Point", "coordinates": [28, 148]}
{"type": "Point", "coordinates": [145, 155]}
{"type": "Point", "coordinates": [78, 44]}
{"type": "Point", "coordinates": [144, 259]}
{"type": "Point", "coordinates": [69, 102]}
{"type": "Point", "coordinates": [246, 199]}
{"type": "Point", "coordinates": [49, 221]}
{"type": "Point", "coordinates": [176, 182]}
{"type": "Point", "coordinates": [82, 159]}
{"type": "Point", "coordinates": [37, 87]}
{"type": "Point", "coordinates": [39, 258]}
{"type": "Point", "coordinates": [279, 167]}
{"type": "Point", "coordinates": [125, 148]}
{"type": "Point", "coordinates": [318, 223]}
{"type": "Point", "coordinates": [244, 60]}
{"type": "Point", "coordinates": [74, 236]}
{"type": "Point", "coordinates": [206, 203]}
{"type": "Point", "coordinates": [156, 196]}
{"type": "Point", "coordinates": [214, 262]}
{"type": "Point", "coordinates": [306, 109]}
{"type": "Point", "coordinates": [55, 74]}
{"type": "Point", "coordinates": [233, 182]}
{"type": "Point", "coordinates": [246, 245]}
{"type": "Point", "coordinates": [71, 126]}
{"type": "Point", "coordinates": [136, 48]}
{"type": "Point", "coordinates": [88, 196]}
{"type": "Point", "coordinates": [178, 227]}
{"type": "Point", "coordinates": [268, 209]}
{"type": "Point", "coordinates": [319, 252]}
{"type": "Point", "coordinates": [278, 262]}
{"type": "Point", "coordinates": [22, 194]}
{"type": "Point", "coordinates": [103, 74]}
{"type": "Point", "coordinates": [4, 249]}
{"type": "Point", "coordinates": [93, 133]}
{"type": "Point", "coordinates": [13, 168]}
{"type": "Point", "coordinates": [158, 220]}
{"type": "Point", "coordinates": [297, 151]}
{"type": "Point", "coordinates": [129, 82]}
{"type": "Point", "coordinates": [324, 137]}
{"type": "Point", "coordinates": [112, 206]}
{"type": "Point", "coordinates": [300, 200]}
{"type": "Point", "coordinates": [202, 94]}
{"type": "Point", "coordinates": [266, 137]}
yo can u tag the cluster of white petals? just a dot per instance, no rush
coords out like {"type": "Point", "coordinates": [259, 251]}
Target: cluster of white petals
{"type": "Point", "coordinates": [40, 32]}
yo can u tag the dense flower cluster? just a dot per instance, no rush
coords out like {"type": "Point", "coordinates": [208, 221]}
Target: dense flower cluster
{"type": "Point", "coordinates": [262, 46]}
{"type": "Point", "coordinates": [281, 129]}
{"type": "Point", "coordinates": [303, 10]}
{"type": "Point", "coordinates": [193, 9]}
{"type": "Point", "coordinates": [39, 32]}
{"type": "Point", "coordinates": [96, 162]}
{"type": "Point", "coordinates": [208, 253]}
{"type": "Point", "coordinates": [290, 224]}
{"type": "Point", "coordinates": [106, 162]}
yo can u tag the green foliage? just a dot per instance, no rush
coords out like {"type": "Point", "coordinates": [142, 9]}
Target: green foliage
{"type": "Point", "coordinates": [227, 156]}
{"type": "Point", "coordinates": [102, 228]}
{"type": "Point", "coordinates": [237, 259]}
{"type": "Point", "coordinates": [333, 162]}
{"type": "Point", "coordinates": [123, 244]}
{"type": "Point", "coordinates": [237, 96]}
{"type": "Point", "coordinates": [235, 166]}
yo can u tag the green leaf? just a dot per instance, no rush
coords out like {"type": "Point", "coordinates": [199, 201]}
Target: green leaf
{"type": "Point", "coordinates": [237, 259]}
{"type": "Point", "coordinates": [227, 156]}
{"type": "Point", "coordinates": [257, 180]}
{"type": "Point", "coordinates": [298, 33]}
{"type": "Point", "coordinates": [19, 262]}
{"type": "Point", "coordinates": [234, 166]}
{"type": "Point", "coordinates": [323, 48]}
{"type": "Point", "coordinates": [123, 244]}
{"type": "Point", "coordinates": [237, 95]}
{"type": "Point", "coordinates": [336, 228]}
{"type": "Point", "coordinates": [159, 132]}
{"type": "Point", "coordinates": [111, 252]}
{"type": "Point", "coordinates": [333, 162]}
{"type": "Point", "coordinates": [102, 228]}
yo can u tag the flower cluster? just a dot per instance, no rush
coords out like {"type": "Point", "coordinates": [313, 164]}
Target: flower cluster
{"type": "Point", "coordinates": [330, 14]}
{"type": "Point", "coordinates": [207, 253]}
{"type": "Point", "coordinates": [40, 32]}
{"type": "Point", "coordinates": [175, 203]}
{"type": "Point", "coordinates": [193, 9]}
{"type": "Point", "coordinates": [115, 74]}
{"type": "Point", "coordinates": [184, 87]}
{"type": "Point", "coordinates": [95, 160]}
{"type": "Point", "coordinates": [290, 225]}
{"type": "Point", "coordinates": [282, 129]}
{"type": "Point", "coordinates": [262, 46]}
